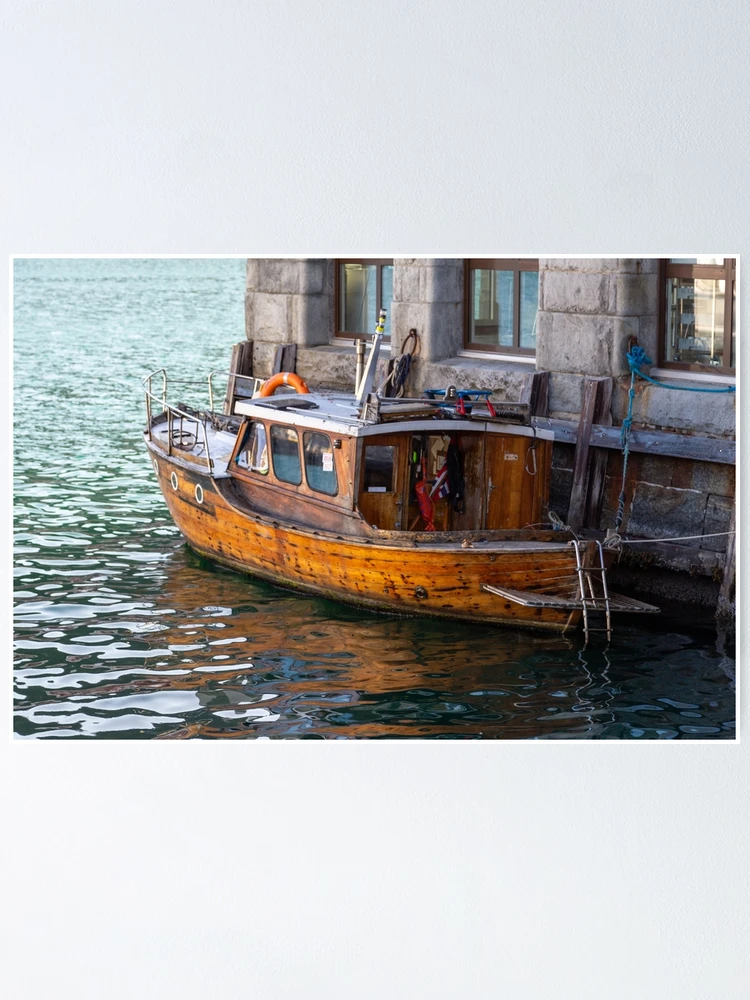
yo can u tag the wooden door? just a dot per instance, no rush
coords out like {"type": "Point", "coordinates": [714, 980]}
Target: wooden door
{"type": "Point", "coordinates": [516, 480]}
{"type": "Point", "coordinates": [381, 481]}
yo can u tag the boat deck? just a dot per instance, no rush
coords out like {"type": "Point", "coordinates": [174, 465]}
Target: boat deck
{"type": "Point", "coordinates": [196, 438]}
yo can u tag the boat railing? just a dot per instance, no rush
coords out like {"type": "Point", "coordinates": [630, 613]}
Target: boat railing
{"type": "Point", "coordinates": [255, 384]}
{"type": "Point", "coordinates": [187, 431]}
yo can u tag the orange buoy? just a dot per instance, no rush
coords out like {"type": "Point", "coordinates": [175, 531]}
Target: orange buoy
{"type": "Point", "coordinates": [283, 378]}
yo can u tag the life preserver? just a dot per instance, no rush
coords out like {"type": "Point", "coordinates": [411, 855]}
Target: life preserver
{"type": "Point", "coordinates": [270, 386]}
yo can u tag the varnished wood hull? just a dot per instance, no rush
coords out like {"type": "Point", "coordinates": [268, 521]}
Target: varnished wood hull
{"type": "Point", "coordinates": [427, 578]}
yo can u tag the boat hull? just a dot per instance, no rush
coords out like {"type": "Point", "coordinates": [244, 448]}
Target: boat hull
{"type": "Point", "coordinates": [422, 577]}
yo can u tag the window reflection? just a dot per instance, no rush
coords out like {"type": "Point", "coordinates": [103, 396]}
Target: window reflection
{"type": "Point", "coordinates": [695, 320]}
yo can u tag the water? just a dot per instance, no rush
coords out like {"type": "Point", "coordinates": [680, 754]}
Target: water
{"type": "Point", "coordinates": [122, 632]}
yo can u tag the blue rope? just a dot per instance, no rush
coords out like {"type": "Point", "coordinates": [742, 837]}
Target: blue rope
{"type": "Point", "coordinates": [637, 357]}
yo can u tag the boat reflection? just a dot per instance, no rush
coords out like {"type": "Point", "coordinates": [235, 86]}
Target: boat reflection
{"type": "Point", "coordinates": [202, 652]}
{"type": "Point", "coordinates": [301, 666]}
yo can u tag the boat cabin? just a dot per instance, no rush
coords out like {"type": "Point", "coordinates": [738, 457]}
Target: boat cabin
{"type": "Point", "coordinates": [312, 459]}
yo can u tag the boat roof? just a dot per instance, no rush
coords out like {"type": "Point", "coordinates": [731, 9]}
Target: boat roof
{"type": "Point", "coordinates": [341, 413]}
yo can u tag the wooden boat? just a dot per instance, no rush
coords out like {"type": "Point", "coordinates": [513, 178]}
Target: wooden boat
{"type": "Point", "coordinates": [423, 506]}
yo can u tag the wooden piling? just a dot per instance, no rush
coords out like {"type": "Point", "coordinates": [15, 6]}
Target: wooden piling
{"type": "Point", "coordinates": [240, 364]}
{"type": "Point", "coordinates": [284, 359]}
{"type": "Point", "coordinates": [589, 470]}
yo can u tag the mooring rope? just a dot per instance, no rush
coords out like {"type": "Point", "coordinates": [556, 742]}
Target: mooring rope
{"type": "Point", "coordinates": [674, 538]}
{"type": "Point", "coordinates": [636, 357]}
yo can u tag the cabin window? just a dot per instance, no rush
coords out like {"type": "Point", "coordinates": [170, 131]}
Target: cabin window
{"type": "Point", "coordinates": [253, 454]}
{"type": "Point", "coordinates": [379, 466]}
{"type": "Point", "coordinates": [319, 465]}
{"type": "Point", "coordinates": [285, 452]}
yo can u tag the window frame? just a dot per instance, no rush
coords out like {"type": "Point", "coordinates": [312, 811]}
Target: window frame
{"type": "Point", "coordinates": [726, 272]}
{"type": "Point", "coordinates": [338, 292]}
{"type": "Point", "coordinates": [244, 445]}
{"type": "Point", "coordinates": [310, 432]}
{"type": "Point", "coordinates": [516, 265]}
{"type": "Point", "coordinates": [277, 477]}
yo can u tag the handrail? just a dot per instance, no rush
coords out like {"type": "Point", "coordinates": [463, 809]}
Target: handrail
{"type": "Point", "coordinates": [173, 411]}
{"type": "Point", "coordinates": [250, 378]}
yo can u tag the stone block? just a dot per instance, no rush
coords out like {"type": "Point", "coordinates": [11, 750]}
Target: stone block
{"type": "Point", "coordinates": [665, 512]}
{"type": "Point", "coordinates": [709, 477]}
{"type": "Point", "coordinates": [623, 329]}
{"type": "Point", "coordinates": [440, 284]}
{"type": "Point", "coordinates": [443, 333]}
{"type": "Point", "coordinates": [249, 315]}
{"type": "Point", "coordinates": [272, 317]}
{"type": "Point", "coordinates": [312, 276]}
{"type": "Point", "coordinates": [633, 295]}
{"type": "Point", "coordinates": [639, 265]}
{"type": "Point", "coordinates": [660, 470]}
{"type": "Point", "coordinates": [595, 265]}
{"type": "Point", "coordinates": [253, 272]}
{"type": "Point", "coordinates": [312, 319]}
{"type": "Point", "coordinates": [574, 343]}
{"type": "Point", "coordinates": [563, 456]}
{"type": "Point", "coordinates": [330, 367]}
{"type": "Point", "coordinates": [701, 413]}
{"type": "Point", "coordinates": [263, 355]}
{"type": "Point", "coordinates": [406, 280]}
{"type": "Point", "coordinates": [279, 276]}
{"type": "Point", "coordinates": [565, 395]}
{"type": "Point", "coordinates": [505, 380]}
{"type": "Point", "coordinates": [560, 487]}
{"type": "Point", "coordinates": [718, 517]}
{"type": "Point", "coordinates": [648, 337]}
{"type": "Point", "coordinates": [576, 292]}
{"type": "Point", "coordinates": [406, 316]}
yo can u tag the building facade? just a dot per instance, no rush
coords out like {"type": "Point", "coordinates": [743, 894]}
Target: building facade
{"type": "Point", "coordinates": [490, 323]}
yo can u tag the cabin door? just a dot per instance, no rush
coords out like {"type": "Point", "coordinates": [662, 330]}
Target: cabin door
{"type": "Point", "coordinates": [382, 481]}
{"type": "Point", "coordinates": [515, 480]}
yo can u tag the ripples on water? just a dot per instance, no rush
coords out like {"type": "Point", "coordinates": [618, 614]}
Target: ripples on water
{"type": "Point", "coordinates": [123, 633]}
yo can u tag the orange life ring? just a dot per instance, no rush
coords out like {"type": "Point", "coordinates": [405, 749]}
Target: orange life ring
{"type": "Point", "coordinates": [283, 378]}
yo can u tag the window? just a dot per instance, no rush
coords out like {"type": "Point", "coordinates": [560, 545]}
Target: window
{"type": "Point", "coordinates": [320, 468]}
{"type": "Point", "coordinates": [285, 452]}
{"type": "Point", "coordinates": [379, 468]}
{"type": "Point", "coordinates": [698, 313]}
{"type": "Point", "coordinates": [363, 288]}
{"type": "Point", "coordinates": [502, 300]}
{"type": "Point", "coordinates": [253, 453]}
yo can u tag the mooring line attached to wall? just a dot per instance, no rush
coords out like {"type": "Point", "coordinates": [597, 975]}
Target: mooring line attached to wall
{"type": "Point", "coordinates": [636, 357]}
{"type": "Point", "coordinates": [674, 538]}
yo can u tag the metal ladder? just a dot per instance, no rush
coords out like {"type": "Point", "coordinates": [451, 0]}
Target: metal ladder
{"type": "Point", "coordinates": [590, 600]}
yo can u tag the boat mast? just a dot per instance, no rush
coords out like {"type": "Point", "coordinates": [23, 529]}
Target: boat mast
{"type": "Point", "coordinates": [368, 376]}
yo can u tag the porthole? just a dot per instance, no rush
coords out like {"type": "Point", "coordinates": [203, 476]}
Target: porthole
{"type": "Point", "coordinates": [173, 480]}
{"type": "Point", "coordinates": [199, 493]}
{"type": "Point", "coordinates": [156, 466]}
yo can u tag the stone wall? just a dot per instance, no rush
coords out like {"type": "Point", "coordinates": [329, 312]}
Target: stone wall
{"type": "Point", "coordinates": [428, 296]}
{"type": "Point", "coordinates": [588, 311]}
{"type": "Point", "coordinates": [287, 301]}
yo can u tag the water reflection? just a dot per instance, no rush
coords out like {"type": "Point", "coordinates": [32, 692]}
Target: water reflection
{"type": "Point", "coordinates": [214, 654]}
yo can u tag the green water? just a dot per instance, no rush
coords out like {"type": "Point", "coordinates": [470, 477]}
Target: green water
{"type": "Point", "coordinates": [121, 632]}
